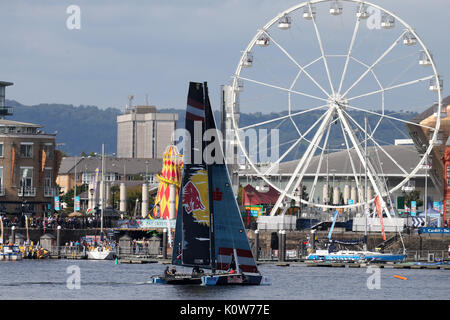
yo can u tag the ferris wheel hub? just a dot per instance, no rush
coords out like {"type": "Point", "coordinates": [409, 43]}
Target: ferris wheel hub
{"type": "Point", "coordinates": [337, 101]}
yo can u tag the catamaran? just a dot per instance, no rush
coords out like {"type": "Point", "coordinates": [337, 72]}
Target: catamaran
{"type": "Point", "coordinates": [209, 231]}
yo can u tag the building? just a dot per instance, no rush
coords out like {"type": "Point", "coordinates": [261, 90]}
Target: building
{"type": "Point", "coordinates": [340, 173]}
{"type": "Point", "coordinates": [446, 161]}
{"type": "Point", "coordinates": [422, 136]}
{"type": "Point", "coordinates": [29, 165]}
{"type": "Point", "coordinates": [143, 132]}
{"type": "Point", "coordinates": [85, 170]}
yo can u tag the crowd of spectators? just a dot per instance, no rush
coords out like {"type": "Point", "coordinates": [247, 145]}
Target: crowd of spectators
{"type": "Point", "coordinates": [88, 222]}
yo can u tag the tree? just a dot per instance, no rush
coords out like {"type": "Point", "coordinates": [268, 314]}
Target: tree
{"type": "Point", "coordinates": [68, 197]}
{"type": "Point", "coordinates": [413, 196]}
{"type": "Point", "coordinates": [133, 194]}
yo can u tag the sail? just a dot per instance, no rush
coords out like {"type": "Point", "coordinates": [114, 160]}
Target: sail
{"type": "Point", "coordinates": [209, 230]}
{"type": "Point", "coordinates": [192, 232]}
{"type": "Point", "coordinates": [229, 236]}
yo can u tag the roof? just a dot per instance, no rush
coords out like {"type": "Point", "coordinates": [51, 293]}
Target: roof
{"type": "Point", "coordinates": [130, 166]}
{"type": "Point", "coordinates": [5, 83]}
{"type": "Point", "coordinates": [339, 163]}
{"type": "Point", "coordinates": [10, 123]}
{"type": "Point", "coordinates": [252, 196]}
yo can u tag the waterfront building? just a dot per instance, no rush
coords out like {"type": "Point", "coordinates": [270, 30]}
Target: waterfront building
{"type": "Point", "coordinates": [29, 165]}
{"type": "Point", "coordinates": [422, 136]}
{"type": "Point", "coordinates": [340, 175]}
{"type": "Point", "coordinates": [86, 170]}
{"type": "Point", "coordinates": [143, 132]}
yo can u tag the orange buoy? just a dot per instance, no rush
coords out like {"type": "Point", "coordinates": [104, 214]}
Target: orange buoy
{"type": "Point", "coordinates": [400, 277]}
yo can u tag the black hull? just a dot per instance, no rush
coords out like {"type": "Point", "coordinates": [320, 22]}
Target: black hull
{"type": "Point", "coordinates": [181, 279]}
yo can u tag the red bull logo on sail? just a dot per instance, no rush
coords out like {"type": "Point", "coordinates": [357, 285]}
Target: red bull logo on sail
{"type": "Point", "coordinates": [192, 200]}
{"type": "Point", "coordinates": [195, 197]}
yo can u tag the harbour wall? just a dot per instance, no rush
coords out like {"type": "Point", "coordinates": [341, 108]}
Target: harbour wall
{"type": "Point", "coordinates": [294, 239]}
{"type": "Point", "coordinates": [413, 242]}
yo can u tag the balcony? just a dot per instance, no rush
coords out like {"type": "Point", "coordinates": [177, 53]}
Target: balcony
{"type": "Point", "coordinates": [27, 192]}
{"type": "Point", "coordinates": [49, 192]}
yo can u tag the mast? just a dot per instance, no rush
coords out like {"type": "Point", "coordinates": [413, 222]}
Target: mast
{"type": "Point", "coordinates": [212, 247]}
{"type": "Point", "coordinates": [366, 207]}
{"type": "Point", "coordinates": [103, 190]}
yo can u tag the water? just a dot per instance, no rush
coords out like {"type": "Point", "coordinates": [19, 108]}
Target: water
{"type": "Point", "coordinates": [104, 280]}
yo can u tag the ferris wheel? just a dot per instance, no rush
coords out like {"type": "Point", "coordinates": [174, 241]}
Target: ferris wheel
{"type": "Point", "coordinates": [335, 78]}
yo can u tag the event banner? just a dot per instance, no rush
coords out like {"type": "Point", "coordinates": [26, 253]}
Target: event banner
{"type": "Point", "coordinates": [145, 224]}
{"type": "Point", "coordinates": [434, 230]}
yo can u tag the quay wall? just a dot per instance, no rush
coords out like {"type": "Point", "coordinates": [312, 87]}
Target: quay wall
{"type": "Point", "coordinates": [294, 239]}
{"type": "Point", "coordinates": [413, 242]}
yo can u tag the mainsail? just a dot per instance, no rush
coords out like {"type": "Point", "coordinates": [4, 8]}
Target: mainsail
{"type": "Point", "coordinates": [192, 234]}
{"type": "Point", "coordinates": [208, 214]}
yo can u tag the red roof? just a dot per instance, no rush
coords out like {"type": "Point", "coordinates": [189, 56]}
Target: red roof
{"type": "Point", "coordinates": [251, 196]}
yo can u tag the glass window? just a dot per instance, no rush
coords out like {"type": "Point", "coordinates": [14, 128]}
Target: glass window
{"type": "Point", "coordinates": [1, 177]}
{"type": "Point", "coordinates": [1, 149]}
{"type": "Point", "coordinates": [26, 176]}
{"type": "Point", "coordinates": [48, 150]}
{"type": "Point", "coordinates": [48, 178]}
{"type": "Point", "coordinates": [26, 150]}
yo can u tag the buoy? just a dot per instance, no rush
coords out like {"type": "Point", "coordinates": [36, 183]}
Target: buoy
{"type": "Point", "coordinates": [400, 277]}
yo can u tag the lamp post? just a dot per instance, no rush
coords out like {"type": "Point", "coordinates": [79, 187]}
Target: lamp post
{"type": "Point", "coordinates": [425, 200]}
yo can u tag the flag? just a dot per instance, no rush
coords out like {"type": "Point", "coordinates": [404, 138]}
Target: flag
{"type": "Point", "coordinates": [380, 214]}
{"type": "Point", "coordinates": [169, 233]}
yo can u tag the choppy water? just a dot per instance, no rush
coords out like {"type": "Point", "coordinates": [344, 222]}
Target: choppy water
{"type": "Point", "coordinates": [47, 279]}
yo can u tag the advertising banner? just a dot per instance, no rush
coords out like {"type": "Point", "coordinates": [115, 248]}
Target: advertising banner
{"type": "Point", "coordinates": [57, 203]}
{"type": "Point", "coordinates": [146, 224]}
{"type": "Point", "coordinates": [77, 204]}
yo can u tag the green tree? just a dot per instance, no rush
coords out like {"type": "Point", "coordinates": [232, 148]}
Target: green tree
{"type": "Point", "coordinates": [413, 196]}
{"type": "Point", "coordinates": [68, 197]}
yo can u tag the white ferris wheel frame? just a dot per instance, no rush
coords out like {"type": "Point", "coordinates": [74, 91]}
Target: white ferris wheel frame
{"type": "Point", "coordinates": [235, 85]}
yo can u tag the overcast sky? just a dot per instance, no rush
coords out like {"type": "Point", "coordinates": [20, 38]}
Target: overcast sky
{"type": "Point", "coordinates": [153, 47]}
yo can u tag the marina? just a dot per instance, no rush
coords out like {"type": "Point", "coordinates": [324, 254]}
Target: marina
{"type": "Point", "coordinates": [319, 168]}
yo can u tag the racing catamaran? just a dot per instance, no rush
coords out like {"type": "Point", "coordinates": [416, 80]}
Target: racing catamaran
{"type": "Point", "coordinates": [209, 231]}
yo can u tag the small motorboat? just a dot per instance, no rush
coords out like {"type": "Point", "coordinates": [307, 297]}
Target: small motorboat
{"type": "Point", "coordinates": [10, 253]}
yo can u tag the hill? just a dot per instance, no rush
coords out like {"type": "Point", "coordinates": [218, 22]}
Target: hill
{"type": "Point", "coordinates": [85, 128]}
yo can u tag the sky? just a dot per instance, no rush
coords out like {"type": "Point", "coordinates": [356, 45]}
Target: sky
{"type": "Point", "coordinates": [153, 48]}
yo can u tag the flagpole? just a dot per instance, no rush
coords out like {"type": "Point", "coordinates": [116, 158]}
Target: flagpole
{"type": "Point", "coordinates": [365, 184]}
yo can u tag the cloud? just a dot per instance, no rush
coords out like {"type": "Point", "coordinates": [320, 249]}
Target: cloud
{"type": "Point", "coordinates": [152, 47]}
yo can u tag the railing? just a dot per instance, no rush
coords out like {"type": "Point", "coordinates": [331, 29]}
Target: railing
{"type": "Point", "coordinates": [27, 192]}
{"type": "Point", "coordinates": [422, 255]}
{"type": "Point", "coordinates": [277, 226]}
{"type": "Point", "coordinates": [49, 192]}
{"type": "Point", "coordinates": [140, 251]}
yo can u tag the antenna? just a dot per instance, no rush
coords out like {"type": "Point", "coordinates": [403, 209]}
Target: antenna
{"type": "Point", "coordinates": [130, 101]}
{"type": "Point", "coordinates": [146, 99]}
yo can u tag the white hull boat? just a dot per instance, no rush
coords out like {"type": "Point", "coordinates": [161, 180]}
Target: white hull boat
{"type": "Point", "coordinates": [97, 254]}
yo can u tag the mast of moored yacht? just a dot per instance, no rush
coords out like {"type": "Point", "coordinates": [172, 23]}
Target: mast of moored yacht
{"type": "Point", "coordinates": [366, 205]}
